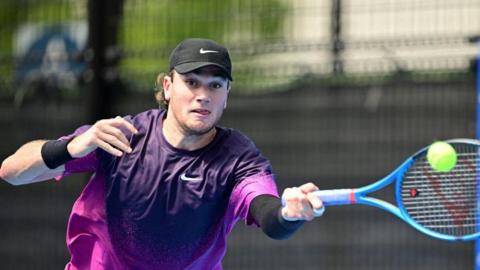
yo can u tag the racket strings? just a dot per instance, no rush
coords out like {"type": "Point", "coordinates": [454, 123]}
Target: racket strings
{"type": "Point", "coordinates": [444, 202]}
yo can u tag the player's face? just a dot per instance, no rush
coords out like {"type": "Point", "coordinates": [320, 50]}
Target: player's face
{"type": "Point", "coordinates": [197, 99]}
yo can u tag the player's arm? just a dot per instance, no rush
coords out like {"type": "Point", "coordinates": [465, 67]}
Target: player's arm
{"type": "Point", "coordinates": [26, 165]}
{"type": "Point", "coordinates": [42, 160]}
{"type": "Point", "coordinates": [280, 222]}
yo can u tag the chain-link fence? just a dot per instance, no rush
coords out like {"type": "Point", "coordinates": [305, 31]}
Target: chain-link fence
{"type": "Point", "coordinates": [335, 92]}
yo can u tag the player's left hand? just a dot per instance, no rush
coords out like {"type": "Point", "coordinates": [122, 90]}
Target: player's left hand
{"type": "Point", "coordinates": [299, 203]}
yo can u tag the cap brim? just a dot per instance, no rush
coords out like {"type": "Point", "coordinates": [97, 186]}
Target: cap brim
{"type": "Point", "coordinates": [189, 67]}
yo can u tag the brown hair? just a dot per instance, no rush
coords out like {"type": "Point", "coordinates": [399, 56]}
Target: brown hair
{"type": "Point", "coordinates": [159, 91]}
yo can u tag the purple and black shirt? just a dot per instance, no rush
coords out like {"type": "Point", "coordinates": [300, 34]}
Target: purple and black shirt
{"type": "Point", "coordinates": [160, 207]}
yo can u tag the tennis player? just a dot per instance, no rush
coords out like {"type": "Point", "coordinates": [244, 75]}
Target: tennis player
{"type": "Point", "coordinates": [168, 184]}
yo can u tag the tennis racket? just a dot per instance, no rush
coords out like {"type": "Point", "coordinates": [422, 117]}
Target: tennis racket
{"type": "Point", "coordinates": [441, 205]}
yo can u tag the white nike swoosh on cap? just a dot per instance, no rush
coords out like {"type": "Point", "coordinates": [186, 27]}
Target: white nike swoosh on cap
{"type": "Point", "coordinates": [202, 51]}
{"type": "Point", "coordinates": [184, 177]}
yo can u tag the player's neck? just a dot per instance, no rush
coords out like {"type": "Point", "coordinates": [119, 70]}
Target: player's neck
{"type": "Point", "coordinates": [180, 139]}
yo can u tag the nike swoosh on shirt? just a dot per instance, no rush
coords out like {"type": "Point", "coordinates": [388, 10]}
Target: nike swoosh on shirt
{"type": "Point", "coordinates": [184, 177]}
{"type": "Point", "coordinates": [202, 51]}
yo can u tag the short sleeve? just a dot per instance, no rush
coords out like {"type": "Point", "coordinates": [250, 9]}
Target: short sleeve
{"type": "Point", "coordinates": [88, 163]}
{"type": "Point", "coordinates": [253, 177]}
{"type": "Point", "coordinates": [251, 163]}
{"type": "Point", "coordinates": [246, 190]}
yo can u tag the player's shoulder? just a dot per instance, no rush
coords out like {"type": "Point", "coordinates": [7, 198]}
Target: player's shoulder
{"type": "Point", "coordinates": [148, 114]}
{"type": "Point", "coordinates": [145, 117]}
{"type": "Point", "coordinates": [145, 121]}
{"type": "Point", "coordinates": [238, 142]}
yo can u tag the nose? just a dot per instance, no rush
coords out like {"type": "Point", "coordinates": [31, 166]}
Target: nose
{"type": "Point", "coordinates": [203, 95]}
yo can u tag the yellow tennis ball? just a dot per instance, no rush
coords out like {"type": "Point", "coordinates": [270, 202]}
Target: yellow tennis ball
{"type": "Point", "coordinates": [441, 156]}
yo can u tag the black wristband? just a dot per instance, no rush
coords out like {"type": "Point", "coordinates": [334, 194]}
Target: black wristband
{"type": "Point", "coordinates": [55, 153]}
{"type": "Point", "coordinates": [266, 210]}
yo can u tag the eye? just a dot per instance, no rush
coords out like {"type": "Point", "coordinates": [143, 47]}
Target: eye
{"type": "Point", "coordinates": [191, 82]}
{"type": "Point", "coordinates": [216, 85]}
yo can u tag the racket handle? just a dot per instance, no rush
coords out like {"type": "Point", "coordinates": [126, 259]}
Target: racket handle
{"type": "Point", "coordinates": [336, 196]}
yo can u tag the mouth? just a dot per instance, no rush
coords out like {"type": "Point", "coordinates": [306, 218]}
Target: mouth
{"type": "Point", "coordinates": [203, 112]}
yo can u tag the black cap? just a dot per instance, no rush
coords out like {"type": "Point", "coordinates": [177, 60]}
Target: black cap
{"type": "Point", "coordinates": [194, 53]}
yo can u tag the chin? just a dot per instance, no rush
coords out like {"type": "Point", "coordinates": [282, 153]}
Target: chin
{"type": "Point", "coordinates": [200, 129]}
{"type": "Point", "coordinates": [200, 132]}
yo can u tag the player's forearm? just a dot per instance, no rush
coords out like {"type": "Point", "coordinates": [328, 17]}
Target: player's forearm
{"type": "Point", "coordinates": [25, 165]}
{"type": "Point", "coordinates": [265, 209]}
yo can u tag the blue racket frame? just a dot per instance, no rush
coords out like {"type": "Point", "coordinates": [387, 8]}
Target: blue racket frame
{"type": "Point", "coordinates": [360, 195]}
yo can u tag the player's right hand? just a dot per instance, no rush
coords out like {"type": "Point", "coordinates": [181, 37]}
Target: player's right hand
{"type": "Point", "coordinates": [105, 134]}
{"type": "Point", "coordinates": [300, 203]}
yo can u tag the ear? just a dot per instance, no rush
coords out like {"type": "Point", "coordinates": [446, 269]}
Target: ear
{"type": "Point", "coordinates": [167, 87]}
{"type": "Point", "coordinates": [226, 98]}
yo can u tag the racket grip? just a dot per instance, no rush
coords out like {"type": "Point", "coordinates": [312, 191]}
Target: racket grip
{"type": "Point", "coordinates": [336, 196]}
